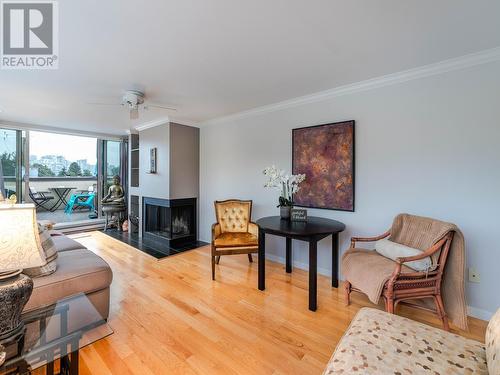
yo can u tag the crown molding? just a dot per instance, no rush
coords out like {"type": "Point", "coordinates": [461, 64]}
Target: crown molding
{"type": "Point", "coordinates": [441, 67]}
{"type": "Point", "coordinates": [186, 122]}
{"type": "Point", "coordinates": [152, 124]}
{"type": "Point", "coordinates": [14, 125]}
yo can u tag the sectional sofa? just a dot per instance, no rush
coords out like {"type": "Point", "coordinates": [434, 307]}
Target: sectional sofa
{"type": "Point", "coordinates": [79, 270]}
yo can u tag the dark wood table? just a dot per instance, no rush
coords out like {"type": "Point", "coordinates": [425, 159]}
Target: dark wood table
{"type": "Point", "coordinates": [312, 231]}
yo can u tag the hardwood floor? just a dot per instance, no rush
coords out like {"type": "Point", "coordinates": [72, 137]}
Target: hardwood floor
{"type": "Point", "coordinates": [169, 317]}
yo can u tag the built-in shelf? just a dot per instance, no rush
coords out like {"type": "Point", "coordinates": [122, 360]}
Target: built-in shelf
{"type": "Point", "coordinates": [134, 160]}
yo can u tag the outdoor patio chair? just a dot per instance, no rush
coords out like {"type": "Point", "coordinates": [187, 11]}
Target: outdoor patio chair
{"type": "Point", "coordinates": [40, 198]}
{"type": "Point", "coordinates": [81, 200]}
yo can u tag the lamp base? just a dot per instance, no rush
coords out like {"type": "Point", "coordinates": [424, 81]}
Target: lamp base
{"type": "Point", "coordinates": [14, 293]}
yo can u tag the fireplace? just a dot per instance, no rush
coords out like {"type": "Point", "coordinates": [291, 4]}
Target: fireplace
{"type": "Point", "coordinates": [172, 221]}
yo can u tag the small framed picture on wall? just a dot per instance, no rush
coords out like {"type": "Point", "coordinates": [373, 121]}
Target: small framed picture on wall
{"type": "Point", "coordinates": [152, 160]}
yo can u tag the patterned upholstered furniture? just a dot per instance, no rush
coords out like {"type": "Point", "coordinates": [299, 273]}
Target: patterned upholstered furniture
{"type": "Point", "coordinates": [380, 343]}
{"type": "Point", "coordinates": [234, 233]}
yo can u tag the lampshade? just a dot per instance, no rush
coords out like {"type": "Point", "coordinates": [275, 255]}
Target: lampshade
{"type": "Point", "coordinates": [20, 245]}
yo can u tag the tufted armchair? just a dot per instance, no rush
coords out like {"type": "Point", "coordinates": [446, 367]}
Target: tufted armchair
{"type": "Point", "coordinates": [233, 233]}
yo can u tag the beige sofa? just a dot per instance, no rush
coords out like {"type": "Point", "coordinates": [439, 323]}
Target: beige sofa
{"type": "Point", "coordinates": [79, 270]}
{"type": "Point", "coordinates": [380, 343]}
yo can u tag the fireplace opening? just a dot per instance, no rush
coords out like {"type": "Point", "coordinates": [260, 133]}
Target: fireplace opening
{"type": "Point", "coordinates": [173, 220]}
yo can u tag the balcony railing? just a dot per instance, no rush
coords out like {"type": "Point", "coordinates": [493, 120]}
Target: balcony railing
{"type": "Point", "coordinates": [46, 183]}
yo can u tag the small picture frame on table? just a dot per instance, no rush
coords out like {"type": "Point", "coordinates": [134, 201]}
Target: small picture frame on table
{"type": "Point", "coordinates": [298, 214]}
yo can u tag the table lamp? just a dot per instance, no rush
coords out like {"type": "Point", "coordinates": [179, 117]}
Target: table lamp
{"type": "Point", "coordinates": [20, 248]}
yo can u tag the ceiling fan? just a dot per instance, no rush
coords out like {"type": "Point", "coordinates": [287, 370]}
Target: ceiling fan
{"type": "Point", "coordinates": [134, 101]}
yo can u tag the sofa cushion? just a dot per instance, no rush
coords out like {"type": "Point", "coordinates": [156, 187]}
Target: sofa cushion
{"type": "Point", "coordinates": [50, 251]}
{"type": "Point", "coordinates": [64, 243]}
{"type": "Point", "coordinates": [78, 271]}
{"type": "Point", "coordinates": [493, 344]}
{"type": "Point", "coordinates": [394, 250]}
{"type": "Point", "coordinates": [231, 239]}
{"type": "Point", "coordinates": [377, 342]}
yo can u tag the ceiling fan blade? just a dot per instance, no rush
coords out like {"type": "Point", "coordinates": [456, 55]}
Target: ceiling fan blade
{"type": "Point", "coordinates": [104, 103]}
{"type": "Point", "coordinates": [160, 107]}
{"type": "Point", "coordinates": [134, 114]}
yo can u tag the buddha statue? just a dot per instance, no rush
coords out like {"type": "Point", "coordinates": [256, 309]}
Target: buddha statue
{"type": "Point", "coordinates": [116, 194]}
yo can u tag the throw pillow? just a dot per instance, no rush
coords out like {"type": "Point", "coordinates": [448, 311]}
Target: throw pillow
{"type": "Point", "coordinates": [50, 256]}
{"type": "Point", "coordinates": [393, 250]}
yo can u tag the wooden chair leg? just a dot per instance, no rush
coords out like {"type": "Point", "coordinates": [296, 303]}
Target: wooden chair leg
{"type": "Point", "coordinates": [441, 312]}
{"type": "Point", "coordinates": [218, 259]}
{"type": "Point", "coordinates": [212, 257]}
{"type": "Point", "coordinates": [389, 305]}
{"type": "Point", "coordinates": [250, 258]}
{"type": "Point", "coordinates": [347, 292]}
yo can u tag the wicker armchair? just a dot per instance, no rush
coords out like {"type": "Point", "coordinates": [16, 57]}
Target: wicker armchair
{"type": "Point", "coordinates": [403, 286]}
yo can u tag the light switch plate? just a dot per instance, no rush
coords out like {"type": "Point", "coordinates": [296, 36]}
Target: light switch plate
{"type": "Point", "coordinates": [474, 275]}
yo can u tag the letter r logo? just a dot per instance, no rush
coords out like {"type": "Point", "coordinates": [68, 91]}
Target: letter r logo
{"type": "Point", "coordinates": [27, 28]}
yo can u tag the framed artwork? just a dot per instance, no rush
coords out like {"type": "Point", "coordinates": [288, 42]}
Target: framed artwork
{"type": "Point", "coordinates": [325, 154]}
{"type": "Point", "coordinates": [152, 160]}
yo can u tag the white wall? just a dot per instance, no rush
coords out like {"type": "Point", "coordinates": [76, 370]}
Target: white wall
{"type": "Point", "coordinates": [428, 146]}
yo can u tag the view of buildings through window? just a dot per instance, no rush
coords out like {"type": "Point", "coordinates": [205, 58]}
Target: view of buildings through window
{"type": "Point", "coordinates": [60, 155]}
{"type": "Point", "coordinates": [54, 157]}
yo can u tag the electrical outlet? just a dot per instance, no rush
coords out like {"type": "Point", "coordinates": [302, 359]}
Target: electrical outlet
{"type": "Point", "coordinates": [474, 275]}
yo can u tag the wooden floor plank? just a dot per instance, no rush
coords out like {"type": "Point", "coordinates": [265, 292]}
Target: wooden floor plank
{"type": "Point", "coordinates": [169, 317]}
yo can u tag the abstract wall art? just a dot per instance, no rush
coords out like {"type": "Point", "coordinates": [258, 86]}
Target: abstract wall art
{"type": "Point", "coordinates": [325, 154]}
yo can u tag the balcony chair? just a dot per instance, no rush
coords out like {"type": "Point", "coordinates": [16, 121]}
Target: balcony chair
{"type": "Point", "coordinates": [81, 200]}
{"type": "Point", "coordinates": [395, 279]}
{"type": "Point", "coordinates": [40, 198]}
{"type": "Point", "coordinates": [233, 233]}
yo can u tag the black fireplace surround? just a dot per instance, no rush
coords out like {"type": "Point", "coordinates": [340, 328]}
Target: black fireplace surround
{"type": "Point", "coordinates": [171, 221]}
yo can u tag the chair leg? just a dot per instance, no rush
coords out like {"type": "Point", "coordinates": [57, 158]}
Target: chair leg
{"type": "Point", "coordinates": [250, 258]}
{"type": "Point", "coordinates": [347, 292]}
{"type": "Point", "coordinates": [389, 305]}
{"type": "Point", "coordinates": [212, 253]}
{"type": "Point", "coordinates": [218, 259]}
{"type": "Point", "coordinates": [441, 311]}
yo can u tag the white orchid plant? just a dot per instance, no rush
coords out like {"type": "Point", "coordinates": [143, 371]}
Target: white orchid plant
{"type": "Point", "coordinates": [287, 184]}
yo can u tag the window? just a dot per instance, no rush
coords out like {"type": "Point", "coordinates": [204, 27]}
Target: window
{"type": "Point", "coordinates": [8, 160]}
{"type": "Point", "coordinates": [60, 155]}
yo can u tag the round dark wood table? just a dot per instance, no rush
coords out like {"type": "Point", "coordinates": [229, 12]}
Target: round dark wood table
{"type": "Point", "coordinates": [312, 231]}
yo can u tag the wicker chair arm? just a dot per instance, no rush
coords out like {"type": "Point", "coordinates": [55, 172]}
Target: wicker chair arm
{"type": "Point", "coordinates": [368, 239]}
{"type": "Point", "coordinates": [216, 231]}
{"type": "Point", "coordinates": [431, 250]}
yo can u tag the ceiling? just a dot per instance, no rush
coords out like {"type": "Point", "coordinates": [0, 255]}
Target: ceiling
{"type": "Point", "coordinates": [211, 58]}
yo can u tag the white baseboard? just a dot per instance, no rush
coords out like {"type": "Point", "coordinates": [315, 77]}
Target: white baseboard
{"type": "Point", "coordinates": [479, 313]}
{"type": "Point", "coordinates": [302, 266]}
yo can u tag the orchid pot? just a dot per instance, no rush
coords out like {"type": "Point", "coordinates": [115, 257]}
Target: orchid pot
{"type": "Point", "coordinates": [287, 185]}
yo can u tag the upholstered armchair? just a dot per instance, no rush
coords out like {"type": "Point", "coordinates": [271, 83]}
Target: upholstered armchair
{"type": "Point", "coordinates": [233, 233]}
